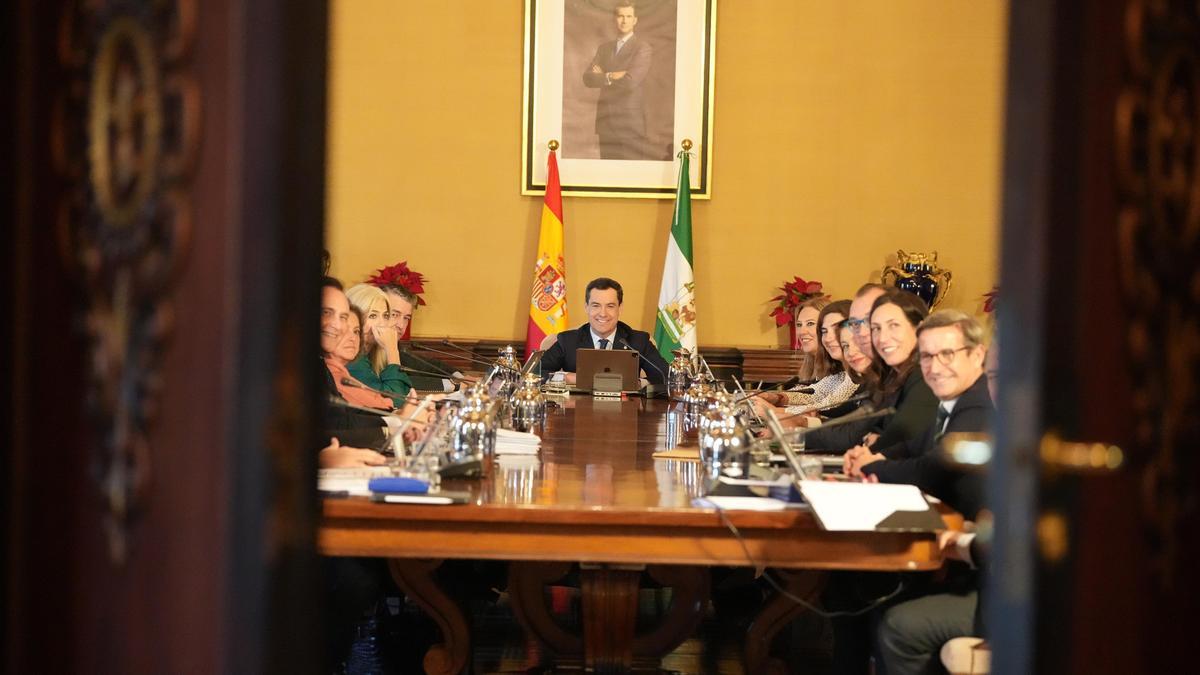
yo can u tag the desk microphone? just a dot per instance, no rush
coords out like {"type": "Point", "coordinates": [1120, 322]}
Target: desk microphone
{"type": "Point", "coordinates": [625, 345]}
{"type": "Point", "coordinates": [343, 403]}
{"type": "Point", "coordinates": [472, 359]}
{"type": "Point", "coordinates": [866, 412]}
{"type": "Point", "coordinates": [782, 386]}
{"type": "Point", "coordinates": [447, 343]}
{"type": "Point", "coordinates": [429, 364]}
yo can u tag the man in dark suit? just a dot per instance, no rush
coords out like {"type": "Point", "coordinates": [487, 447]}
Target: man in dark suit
{"type": "Point", "coordinates": [604, 330]}
{"type": "Point", "coordinates": [911, 633]}
{"type": "Point", "coordinates": [951, 354]}
{"type": "Point", "coordinates": [619, 70]}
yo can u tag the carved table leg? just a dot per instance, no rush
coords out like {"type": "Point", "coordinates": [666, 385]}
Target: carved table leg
{"type": "Point", "coordinates": [526, 584]}
{"type": "Point", "coordinates": [689, 599]}
{"type": "Point", "coordinates": [610, 607]}
{"type": "Point", "coordinates": [609, 599]}
{"type": "Point", "coordinates": [776, 613]}
{"type": "Point", "coordinates": [415, 578]}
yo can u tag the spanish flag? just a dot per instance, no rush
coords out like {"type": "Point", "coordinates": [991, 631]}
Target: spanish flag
{"type": "Point", "coordinates": [548, 302]}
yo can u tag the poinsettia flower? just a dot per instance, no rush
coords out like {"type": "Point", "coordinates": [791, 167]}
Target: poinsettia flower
{"type": "Point", "coordinates": [400, 275]}
{"type": "Point", "coordinates": [991, 300]}
{"type": "Point", "coordinates": [795, 293]}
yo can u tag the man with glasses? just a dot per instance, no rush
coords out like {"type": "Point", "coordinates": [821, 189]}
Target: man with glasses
{"type": "Point", "coordinates": [860, 316]}
{"type": "Point", "coordinates": [910, 634]}
{"type": "Point", "coordinates": [951, 353]}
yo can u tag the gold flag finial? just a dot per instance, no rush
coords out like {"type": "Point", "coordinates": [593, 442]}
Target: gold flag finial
{"type": "Point", "coordinates": [553, 144]}
{"type": "Point", "coordinates": [686, 144]}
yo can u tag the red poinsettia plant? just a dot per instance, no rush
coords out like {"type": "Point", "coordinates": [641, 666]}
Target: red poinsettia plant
{"type": "Point", "coordinates": [400, 275]}
{"type": "Point", "coordinates": [795, 293]}
{"type": "Point", "coordinates": [991, 300]}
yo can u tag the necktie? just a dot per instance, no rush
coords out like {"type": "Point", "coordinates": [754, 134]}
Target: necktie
{"type": "Point", "coordinates": [618, 49]}
{"type": "Point", "coordinates": [603, 343]}
{"type": "Point", "coordinates": [940, 423]}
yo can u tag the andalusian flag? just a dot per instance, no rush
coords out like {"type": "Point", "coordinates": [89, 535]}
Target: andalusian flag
{"type": "Point", "coordinates": [548, 302]}
{"type": "Point", "coordinates": [676, 324]}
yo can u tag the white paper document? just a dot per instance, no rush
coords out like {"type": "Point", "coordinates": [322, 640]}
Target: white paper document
{"type": "Point", "coordinates": [858, 507]}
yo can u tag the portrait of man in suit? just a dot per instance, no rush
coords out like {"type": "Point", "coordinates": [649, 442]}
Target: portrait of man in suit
{"type": "Point", "coordinates": [618, 80]}
{"type": "Point", "coordinates": [619, 70]}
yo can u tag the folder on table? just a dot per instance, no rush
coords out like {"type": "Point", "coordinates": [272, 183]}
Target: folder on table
{"type": "Point", "coordinates": [866, 507]}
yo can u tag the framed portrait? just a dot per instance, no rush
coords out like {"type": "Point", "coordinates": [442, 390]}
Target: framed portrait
{"type": "Point", "coordinates": [619, 85]}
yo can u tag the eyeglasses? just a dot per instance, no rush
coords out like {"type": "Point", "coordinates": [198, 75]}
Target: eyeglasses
{"type": "Point", "coordinates": [944, 357]}
{"type": "Point", "coordinates": [856, 325]}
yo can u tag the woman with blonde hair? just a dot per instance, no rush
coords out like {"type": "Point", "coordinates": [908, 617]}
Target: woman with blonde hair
{"type": "Point", "coordinates": [378, 366]}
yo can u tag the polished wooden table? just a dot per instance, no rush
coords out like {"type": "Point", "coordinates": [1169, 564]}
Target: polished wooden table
{"type": "Point", "coordinates": [596, 497]}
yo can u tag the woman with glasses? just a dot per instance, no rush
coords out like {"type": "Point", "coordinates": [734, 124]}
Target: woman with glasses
{"type": "Point", "coordinates": [378, 366]}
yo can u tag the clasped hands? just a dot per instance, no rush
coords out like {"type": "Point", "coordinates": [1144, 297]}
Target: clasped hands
{"type": "Point", "coordinates": [856, 458]}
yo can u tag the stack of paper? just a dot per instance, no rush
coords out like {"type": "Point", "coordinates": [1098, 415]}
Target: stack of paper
{"type": "Point", "coordinates": [350, 481]}
{"type": "Point", "coordinates": [509, 442]}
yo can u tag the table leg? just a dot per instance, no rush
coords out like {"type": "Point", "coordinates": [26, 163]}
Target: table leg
{"type": "Point", "coordinates": [776, 613]}
{"type": "Point", "coordinates": [609, 600]}
{"type": "Point", "coordinates": [526, 584]}
{"type": "Point", "coordinates": [610, 607]}
{"type": "Point", "coordinates": [415, 578]}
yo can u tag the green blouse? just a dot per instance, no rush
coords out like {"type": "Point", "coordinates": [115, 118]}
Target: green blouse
{"type": "Point", "coordinates": [391, 380]}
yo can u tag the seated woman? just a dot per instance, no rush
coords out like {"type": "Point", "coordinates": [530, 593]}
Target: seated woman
{"type": "Point", "coordinates": [862, 370]}
{"type": "Point", "coordinates": [894, 320]}
{"type": "Point", "coordinates": [818, 339]}
{"type": "Point", "coordinates": [347, 350]}
{"type": "Point", "coordinates": [379, 365]}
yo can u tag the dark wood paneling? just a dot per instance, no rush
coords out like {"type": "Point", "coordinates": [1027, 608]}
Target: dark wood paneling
{"type": "Point", "coordinates": [220, 573]}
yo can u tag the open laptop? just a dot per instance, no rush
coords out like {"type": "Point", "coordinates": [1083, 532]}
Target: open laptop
{"type": "Point", "coordinates": [609, 364]}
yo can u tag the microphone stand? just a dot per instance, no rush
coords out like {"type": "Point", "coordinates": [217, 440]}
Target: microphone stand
{"type": "Point", "coordinates": [458, 356]}
{"type": "Point", "coordinates": [641, 357]}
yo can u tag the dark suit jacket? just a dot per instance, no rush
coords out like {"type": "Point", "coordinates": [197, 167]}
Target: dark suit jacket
{"type": "Point", "coordinates": [915, 406]}
{"type": "Point", "coordinates": [918, 462]}
{"type": "Point", "coordinates": [561, 356]}
{"type": "Point", "coordinates": [622, 105]}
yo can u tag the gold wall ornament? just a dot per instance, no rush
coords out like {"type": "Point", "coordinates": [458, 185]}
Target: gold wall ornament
{"type": "Point", "coordinates": [1157, 231]}
{"type": "Point", "coordinates": [124, 122]}
{"type": "Point", "coordinates": [919, 274]}
{"type": "Point", "coordinates": [124, 137]}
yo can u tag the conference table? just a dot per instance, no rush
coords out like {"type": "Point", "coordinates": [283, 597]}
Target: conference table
{"type": "Point", "coordinates": [597, 506]}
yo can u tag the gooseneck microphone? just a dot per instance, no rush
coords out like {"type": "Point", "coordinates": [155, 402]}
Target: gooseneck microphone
{"type": "Point", "coordinates": [472, 359]}
{"type": "Point", "coordinates": [785, 385]}
{"type": "Point", "coordinates": [866, 412]}
{"type": "Point", "coordinates": [620, 342]}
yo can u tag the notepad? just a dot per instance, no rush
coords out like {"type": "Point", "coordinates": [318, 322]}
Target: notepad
{"type": "Point", "coordinates": [868, 507]}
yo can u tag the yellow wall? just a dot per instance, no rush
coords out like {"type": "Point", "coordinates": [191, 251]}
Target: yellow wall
{"type": "Point", "coordinates": [843, 132]}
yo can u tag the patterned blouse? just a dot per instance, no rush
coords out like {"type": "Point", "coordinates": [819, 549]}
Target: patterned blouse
{"type": "Point", "coordinates": [827, 392]}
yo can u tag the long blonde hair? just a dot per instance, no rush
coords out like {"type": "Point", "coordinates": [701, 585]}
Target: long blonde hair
{"type": "Point", "coordinates": [364, 297]}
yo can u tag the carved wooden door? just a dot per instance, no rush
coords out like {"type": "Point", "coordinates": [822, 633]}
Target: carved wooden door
{"type": "Point", "coordinates": [164, 228]}
{"type": "Point", "coordinates": [1096, 551]}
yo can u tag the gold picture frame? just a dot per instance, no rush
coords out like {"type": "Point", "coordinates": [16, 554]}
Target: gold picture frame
{"type": "Point", "coordinates": [618, 138]}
